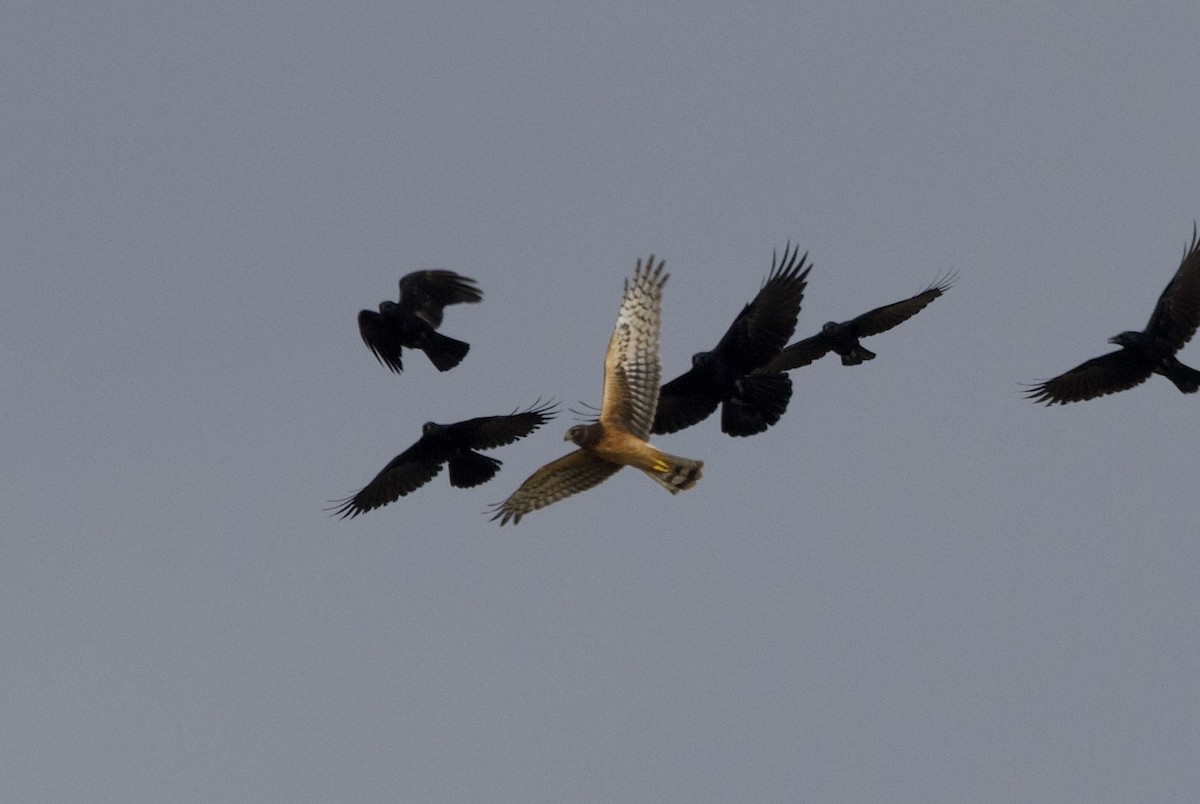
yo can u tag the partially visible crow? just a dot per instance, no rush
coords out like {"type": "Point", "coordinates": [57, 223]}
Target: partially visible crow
{"type": "Point", "coordinates": [843, 338]}
{"type": "Point", "coordinates": [1152, 351]}
{"type": "Point", "coordinates": [411, 322]}
{"type": "Point", "coordinates": [750, 402]}
{"type": "Point", "coordinates": [455, 444]}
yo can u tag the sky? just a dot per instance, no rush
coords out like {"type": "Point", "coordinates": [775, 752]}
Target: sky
{"type": "Point", "coordinates": [918, 586]}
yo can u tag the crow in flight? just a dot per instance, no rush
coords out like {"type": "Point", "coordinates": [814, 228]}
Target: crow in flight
{"type": "Point", "coordinates": [412, 322]}
{"type": "Point", "coordinates": [455, 444]}
{"type": "Point", "coordinates": [1151, 351]}
{"type": "Point", "coordinates": [843, 338]}
{"type": "Point", "coordinates": [750, 401]}
{"type": "Point", "coordinates": [631, 375]}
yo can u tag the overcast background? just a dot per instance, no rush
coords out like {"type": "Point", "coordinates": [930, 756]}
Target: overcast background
{"type": "Point", "coordinates": [918, 586]}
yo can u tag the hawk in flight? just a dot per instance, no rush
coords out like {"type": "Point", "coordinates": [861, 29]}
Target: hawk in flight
{"type": "Point", "coordinates": [751, 401]}
{"type": "Point", "coordinates": [631, 376]}
{"type": "Point", "coordinates": [1151, 351]}
{"type": "Point", "coordinates": [455, 444]}
{"type": "Point", "coordinates": [412, 322]}
{"type": "Point", "coordinates": [843, 337]}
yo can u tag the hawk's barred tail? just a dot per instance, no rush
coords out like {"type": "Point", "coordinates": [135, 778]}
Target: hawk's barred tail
{"type": "Point", "coordinates": [678, 475]}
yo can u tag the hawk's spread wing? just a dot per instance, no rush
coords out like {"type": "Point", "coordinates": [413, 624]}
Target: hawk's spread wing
{"type": "Point", "coordinates": [632, 369]}
{"type": "Point", "coordinates": [572, 473]}
{"type": "Point", "coordinates": [426, 293]}
{"type": "Point", "coordinates": [881, 319]}
{"type": "Point", "coordinates": [488, 432]}
{"type": "Point", "coordinates": [1177, 313]}
{"type": "Point", "coordinates": [382, 339]}
{"type": "Point", "coordinates": [1107, 374]}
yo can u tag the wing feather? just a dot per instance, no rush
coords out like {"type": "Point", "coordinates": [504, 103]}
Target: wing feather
{"type": "Point", "coordinates": [427, 293]}
{"type": "Point", "coordinates": [381, 339]}
{"type": "Point", "coordinates": [881, 319]}
{"type": "Point", "coordinates": [764, 325]}
{"type": "Point", "coordinates": [488, 432]}
{"type": "Point", "coordinates": [686, 400]}
{"type": "Point", "coordinates": [1177, 313]}
{"type": "Point", "coordinates": [1107, 374]}
{"type": "Point", "coordinates": [632, 368]}
{"type": "Point", "coordinates": [405, 473]}
{"type": "Point", "coordinates": [799, 354]}
{"type": "Point", "coordinates": [572, 473]}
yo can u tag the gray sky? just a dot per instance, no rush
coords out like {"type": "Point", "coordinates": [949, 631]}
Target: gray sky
{"type": "Point", "coordinates": [916, 587]}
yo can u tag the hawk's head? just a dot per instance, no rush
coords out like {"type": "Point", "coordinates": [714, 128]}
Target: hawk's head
{"type": "Point", "coordinates": [585, 435]}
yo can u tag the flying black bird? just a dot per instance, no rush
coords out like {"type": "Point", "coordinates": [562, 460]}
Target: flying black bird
{"type": "Point", "coordinates": [843, 338]}
{"type": "Point", "coordinates": [412, 322]}
{"type": "Point", "coordinates": [1151, 351]}
{"type": "Point", "coordinates": [455, 444]}
{"type": "Point", "coordinates": [750, 402]}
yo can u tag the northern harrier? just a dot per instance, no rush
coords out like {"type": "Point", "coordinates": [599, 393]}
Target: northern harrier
{"type": "Point", "coordinates": [631, 375]}
{"type": "Point", "coordinates": [1151, 351]}
{"type": "Point", "coordinates": [412, 322]}
{"type": "Point", "coordinates": [843, 337]}
{"type": "Point", "coordinates": [750, 402]}
{"type": "Point", "coordinates": [455, 444]}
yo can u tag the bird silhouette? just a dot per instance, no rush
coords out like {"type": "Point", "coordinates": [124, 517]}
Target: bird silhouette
{"type": "Point", "coordinates": [618, 438]}
{"type": "Point", "coordinates": [843, 338]}
{"type": "Point", "coordinates": [455, 444]}
{"type": "Point", "coordinates": [751, 401]}
{"type": "Point", "coordinates": [412, 322]}
{"type": "Point", "coordinates": [1151, 351]}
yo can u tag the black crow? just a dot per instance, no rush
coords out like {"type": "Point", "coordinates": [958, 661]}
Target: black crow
{"type": "Point", "coordinates": [843, 338]}
{"type": "Point", "coordinates": [751, 402]}
{"type": "Point", "coordinates": [412, 322]}
{"type": "Point", "coordinates": [1151, 351]}
{"type": "Point", "coordinates": [455, 444]}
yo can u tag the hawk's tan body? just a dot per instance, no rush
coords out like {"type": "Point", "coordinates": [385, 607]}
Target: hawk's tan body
{"type": "Point", "coordinates": [632, 373]}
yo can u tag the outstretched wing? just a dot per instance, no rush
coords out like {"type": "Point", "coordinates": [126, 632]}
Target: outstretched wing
{"type": "Point", "coordinates": [764, 325]}
{"type": "Point", "coordinates": [798, 354]}
{"type": "Point", "coordinates": [488, 432]}
{"type": "Point", "coordinates": [757, 334]}
{"type": "Point", "coordinates": [572, 473]}
{"type": "Point", "coordinates": [407, 472]}
{"type": "Point", "coordinates": [1177, 313]}
{"type": "Point", "coordinates": [381, 338]}
{"type": "Point", "coordinates": [688, 399]}
{"type": "Point", "coordinates": [1107, 374]}
{"type": "Point", "coordinates": [632, 369]}
{"type": "Point", "coordinates": [881, 319]}
{"type": "Point", "coordinates": [426, 293]}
